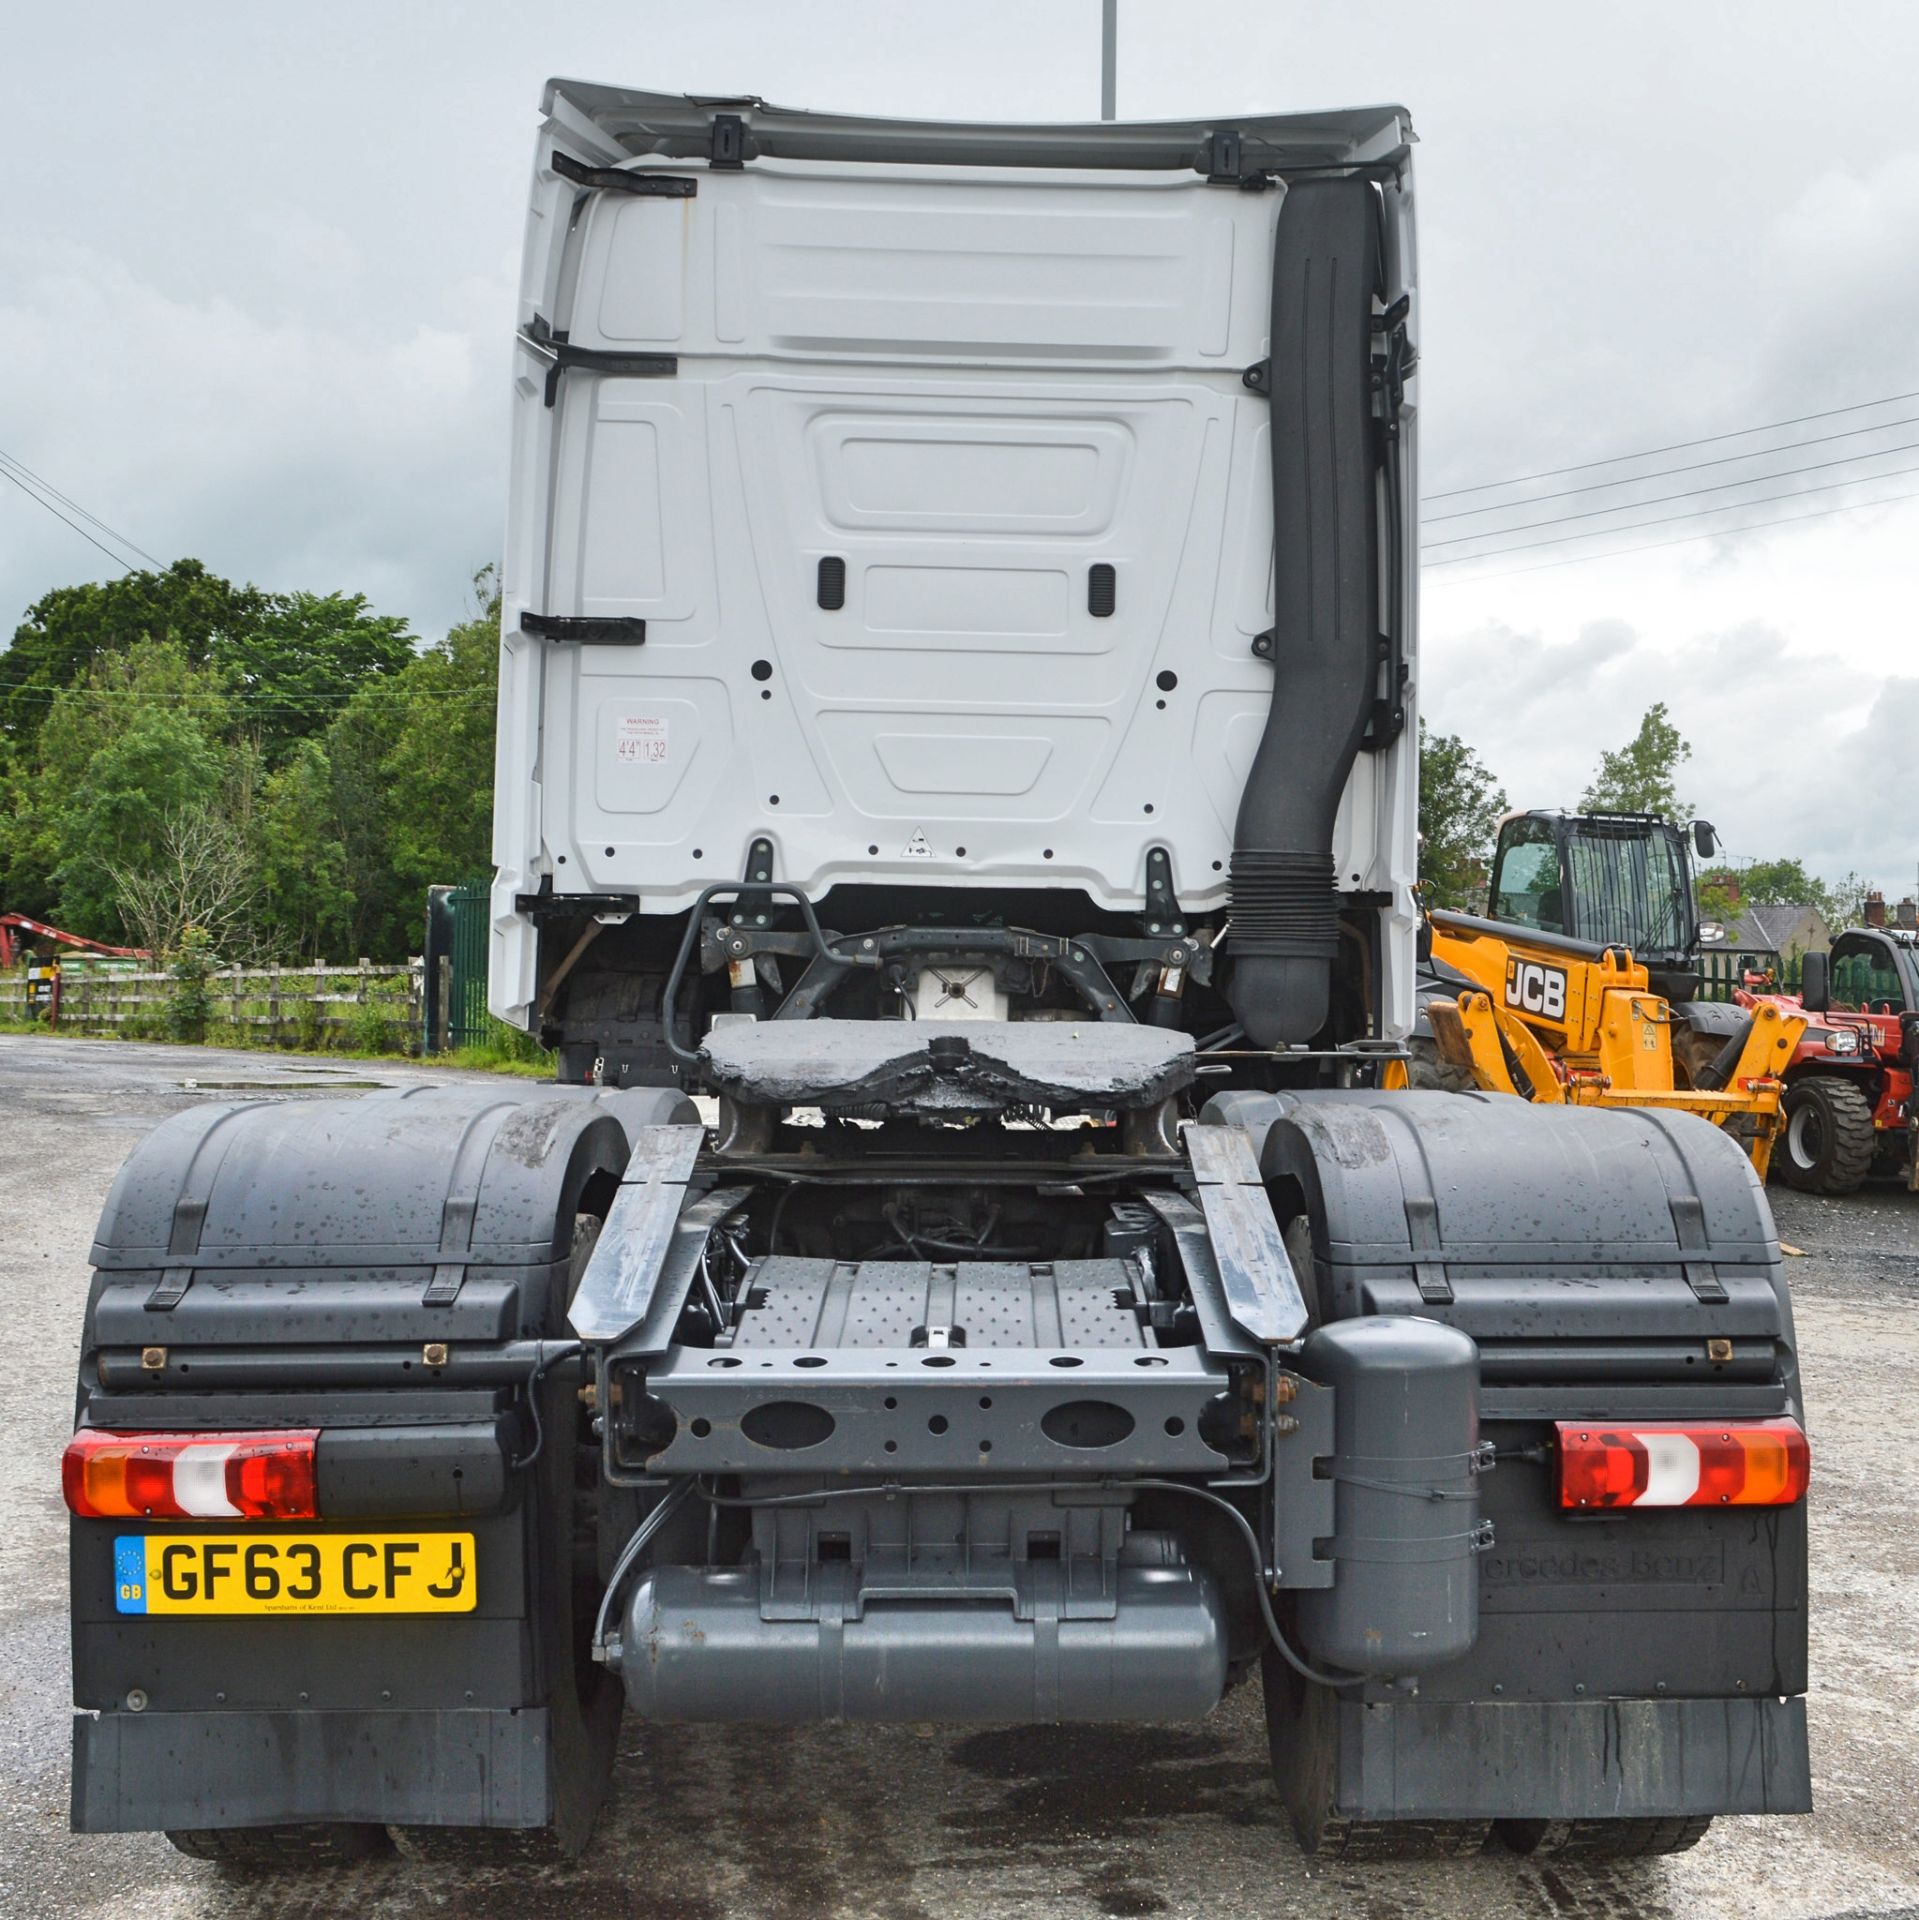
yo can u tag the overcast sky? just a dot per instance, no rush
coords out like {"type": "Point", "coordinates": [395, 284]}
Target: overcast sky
{"type": "Point", "coordinates": [256, 269]}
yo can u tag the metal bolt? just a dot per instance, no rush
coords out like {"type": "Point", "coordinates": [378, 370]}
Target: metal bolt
{"type": "Point", "coordinates": [386, 1693]}
{"type": "Point", "coordinates": [219, 1699]}
{"type": "Point", "coordinates": [1718, 1350]}
{"type": "Point", "coordinates": [433, 1354]}
{"type": "Point", "coordinates": [1497, 1688]}
{"type": "Point", "coordinates": [1659, 1686]}
{"type": "Point", "coordinates": [153, 1359]}
{"type": "Point", "coordinates": [1153, 927]}
{"type": "Point", "coordinates": [1579, 1686]}
{"type": "Point", "coordinates": [1285, 1423]}
{"type": "Point", "coordinates": [137, 1700]}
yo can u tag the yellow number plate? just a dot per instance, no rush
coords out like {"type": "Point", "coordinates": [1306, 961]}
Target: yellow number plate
{"type": "Point", "coordinates": [294, 1573]}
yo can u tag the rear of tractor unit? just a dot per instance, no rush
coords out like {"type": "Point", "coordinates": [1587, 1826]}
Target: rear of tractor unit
{"type": "Point", "coordinates": [956, 718]}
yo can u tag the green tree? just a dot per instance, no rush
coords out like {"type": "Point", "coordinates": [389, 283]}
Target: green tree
{"type": "Point", "coordinates": [440, 769]}
{"type": "Point", "coordinates": [300, 656]}
{"type": "Point", "coordinates": [1459, 808]}
{"type": "Point", "coordinates": [306, 890]}
{"type": "Point", "coordinates": [1724, 892]}
{"type": "Point", "coordinates": [66, 632]}
{"type": "Point", "coordinates": [1641, 777]}
{"type": "Point", "coordinates": [161, 766]}
{"type": "Point", "coordinates": [74, 802]}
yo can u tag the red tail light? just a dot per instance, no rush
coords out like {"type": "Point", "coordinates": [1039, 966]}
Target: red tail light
{"type": "Point", "coordinates": [1683, 1463]}
{"type": "Point", "coordinates": [191, 1476]}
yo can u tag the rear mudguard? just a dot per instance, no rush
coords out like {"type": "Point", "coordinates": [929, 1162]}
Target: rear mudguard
{"type": "Point", "coordinates": [1636, 1662]}
{"type": "Point", "coordinates": [244, 1254]}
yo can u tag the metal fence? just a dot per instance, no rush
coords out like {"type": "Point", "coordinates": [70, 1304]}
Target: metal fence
{"type": "Point", "coordinates": [1721, 969]}
{"type": "Point", "coordinates": [457, 928]}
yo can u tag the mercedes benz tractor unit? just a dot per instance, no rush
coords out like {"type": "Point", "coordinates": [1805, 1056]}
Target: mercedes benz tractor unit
{"type": "Point", "coordinates": [955, 828]}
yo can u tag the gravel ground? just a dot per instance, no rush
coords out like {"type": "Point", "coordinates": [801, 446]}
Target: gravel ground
{"type": "Point", "coordinates": [911, 1822]}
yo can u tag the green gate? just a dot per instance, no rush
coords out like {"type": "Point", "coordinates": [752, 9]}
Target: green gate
{"type": "Point", "coordinates": [1721, 969]}
{"type": "Point", "coordinates": [457, 926]}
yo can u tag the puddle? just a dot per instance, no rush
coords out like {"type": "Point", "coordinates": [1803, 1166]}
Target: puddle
{"type": "Point", "coordinates": [278, 1086]}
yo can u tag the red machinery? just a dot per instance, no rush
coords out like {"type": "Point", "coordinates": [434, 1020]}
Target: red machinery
{"type": "Point", "coordinates": [16, 930]}
{"type": "Point", "coordinates": [1849, 1101]}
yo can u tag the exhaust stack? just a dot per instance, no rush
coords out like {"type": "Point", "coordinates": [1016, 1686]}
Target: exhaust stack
{"type": "Point", "coordinates": [1324, 645]}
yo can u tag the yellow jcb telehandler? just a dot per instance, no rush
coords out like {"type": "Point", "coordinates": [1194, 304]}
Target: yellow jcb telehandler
{"type": "Point", "coordinates": [1580, 984]}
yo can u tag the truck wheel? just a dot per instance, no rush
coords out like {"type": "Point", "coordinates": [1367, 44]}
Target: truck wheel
{"type": "Point", "coordinates": [1828, 1143]}
{"type": "Point", "coordinates": [281, 1849]}
{"type": "Point", "coordinates": [1302, 1738]}
{"type": "Point", "coordinates": [583, 1700]}
{"type": "Point", "coordinates": [1604, 1839]}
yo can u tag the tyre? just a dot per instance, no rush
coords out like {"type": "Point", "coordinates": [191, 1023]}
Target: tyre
{"type": "Point", "coordinates": [1604, 1839]}
{"type": "Point", "coordinates": [296, 1849]}
{"type": "Point", "coordinates": [1427, 1069]}
{"type": "Point", "coordinates": [1302, 1738]}
{"type": "Point", "coordinates": [584, 1701]}
{"type": "Point", "coordinates": [1829, 1142]}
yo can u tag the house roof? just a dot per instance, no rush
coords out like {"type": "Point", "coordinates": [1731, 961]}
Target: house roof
{"type": "Point", "coordinates": [1778, 926]}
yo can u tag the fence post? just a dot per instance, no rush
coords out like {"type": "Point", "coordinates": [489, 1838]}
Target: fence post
{"type": "Point", "coordinates": [273, 1004]}
{"type": "Point", "coordinates": [239, 1032]}
{"type": "Point", "coordinates": [319, 1004]}
{"type": "Point", "coordinates": [446, 1002]}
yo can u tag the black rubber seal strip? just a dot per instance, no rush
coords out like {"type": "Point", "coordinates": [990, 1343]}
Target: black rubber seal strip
{"type": "Point", "coordinates": [592, 630]}
{"type": "Point", "coordinates": [652, 186]}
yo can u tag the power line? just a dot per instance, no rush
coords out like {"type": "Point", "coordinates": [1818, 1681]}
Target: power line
{"type": "Point", "coordinates": [1696, 466]}
{"type": "Point", "coordinates": [1677, 446]}
{"type": "Point", "coordinates": [6, 473]}
{"type": "Point", "coordinates": [47, 486]}
{"type": "Point", "coordinates": [1685, 493]}
{"type": "Point", "coordinates": [1656, 546]}
{"type": "Point", "coordinates": [1673, 519]}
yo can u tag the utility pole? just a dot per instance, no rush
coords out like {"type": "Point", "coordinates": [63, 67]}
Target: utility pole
{"type": "Point", "coordinates": [1108, 58]}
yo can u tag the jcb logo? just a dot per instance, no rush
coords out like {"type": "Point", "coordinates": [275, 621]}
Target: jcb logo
{"type": "Point", "coordinates": [1536, 989]}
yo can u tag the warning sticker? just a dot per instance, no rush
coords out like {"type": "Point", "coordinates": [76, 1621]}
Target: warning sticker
{"type": "Point", "coordinates": [916, 848]}
{"type": "Point", "coordinates": [640, 739]}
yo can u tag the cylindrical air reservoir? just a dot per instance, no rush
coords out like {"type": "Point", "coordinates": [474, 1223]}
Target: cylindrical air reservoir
{"type": "Point", "coordinates": [1405, 1592]}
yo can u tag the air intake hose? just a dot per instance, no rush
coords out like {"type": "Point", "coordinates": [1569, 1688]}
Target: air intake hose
{"type": "Point", "coordinates": [1325, 639]}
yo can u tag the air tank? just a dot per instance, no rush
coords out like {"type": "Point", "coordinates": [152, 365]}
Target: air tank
{"type": "Point", "coordinates": [1405, 1592]}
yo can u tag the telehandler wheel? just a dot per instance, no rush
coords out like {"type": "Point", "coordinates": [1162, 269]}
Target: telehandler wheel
{"type": "Point", "coordinates": [584, 1701]}
{"type": "Point", "coordinates": [1425, 1068]}
{"type": "Point", "coordinates": [1828, 1143]}
{"type": "Point", "coordinates": [1637, 1839]}
{"type": "Point", "coordinates": [294, 1849]}
{"type": "Point", "coordinates": [1302, 1740]}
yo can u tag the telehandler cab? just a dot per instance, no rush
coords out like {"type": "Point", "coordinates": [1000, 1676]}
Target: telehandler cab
{"type": "Point", "coordinates": [1578, 985]}
{"type": "Point", "coordinates": [956, 712]}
